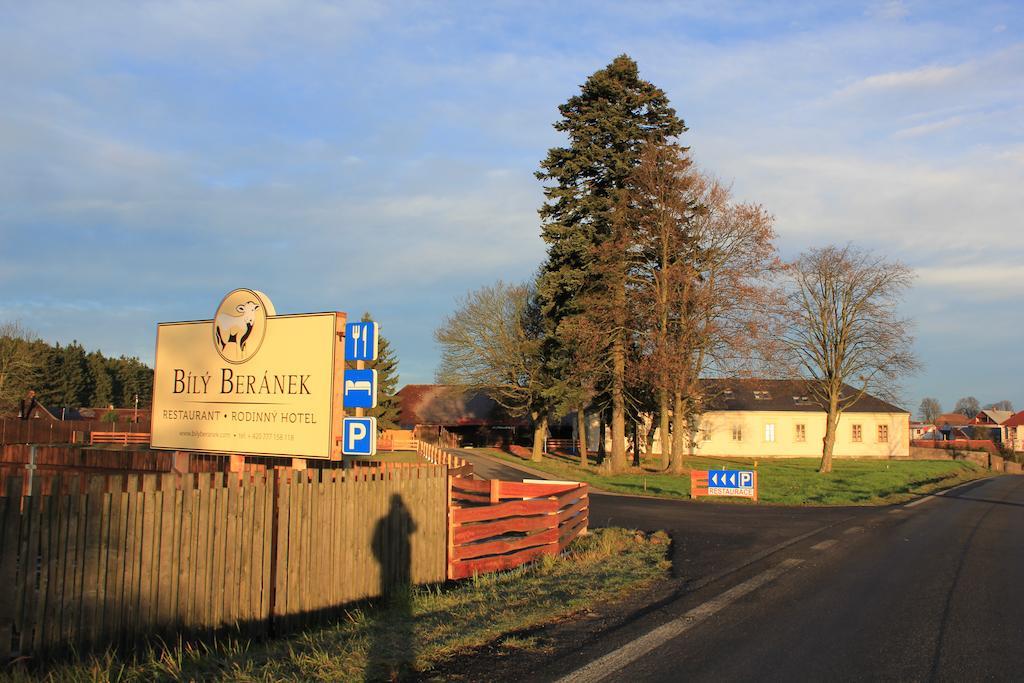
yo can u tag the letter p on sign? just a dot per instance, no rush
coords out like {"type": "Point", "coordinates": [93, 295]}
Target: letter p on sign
{"type": "Point", "coordinates": [359, 436]}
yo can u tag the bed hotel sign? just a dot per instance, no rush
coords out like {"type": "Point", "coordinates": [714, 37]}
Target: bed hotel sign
{"type": "Point", "coordinates": [250, 381]}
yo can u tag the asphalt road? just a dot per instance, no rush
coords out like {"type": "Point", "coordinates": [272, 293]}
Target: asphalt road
{"type": "Point", "coordinates": [708, 538]}
{"type": "Point", "coordinates": [930, 591]}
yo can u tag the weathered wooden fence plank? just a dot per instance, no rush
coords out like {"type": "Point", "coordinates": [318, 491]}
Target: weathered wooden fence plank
{"type": "Point", "coordinates": [130, 557]}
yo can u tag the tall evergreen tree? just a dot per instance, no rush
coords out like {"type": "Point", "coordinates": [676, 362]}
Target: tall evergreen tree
{"type": "Point", "coordinates": [386, 366]}
{"type": "Point", "coordinates": [586, 185]}
{"type": "Point", "coordinates": [100, 382]}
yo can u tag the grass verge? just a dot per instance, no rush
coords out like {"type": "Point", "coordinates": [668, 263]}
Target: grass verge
{"type": "Point", "coordinates": [411, 632]}
{"type": "Point", "coordinates": [786, 482]}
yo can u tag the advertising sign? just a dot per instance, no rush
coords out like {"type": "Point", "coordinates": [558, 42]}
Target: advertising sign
{"type": "Point", "coordinates": [735, 483]}
{"type": "Point", "coordinates": [250, 381]}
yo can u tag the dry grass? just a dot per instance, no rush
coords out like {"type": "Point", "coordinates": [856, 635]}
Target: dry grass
{"type": "Point", "coordinates": [411, 632]}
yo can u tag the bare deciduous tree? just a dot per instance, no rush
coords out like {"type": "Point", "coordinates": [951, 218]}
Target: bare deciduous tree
{"type": "Point", "coordinates": [706, 285]}
{"type": "Point", "coordinates": [493, 344]}
{"type": "Point", "coordinates": [968, 405]}
{"type": "Point", "coordinates": [841, 329]}
{"type": "Point", "coordinates": [930, 409]}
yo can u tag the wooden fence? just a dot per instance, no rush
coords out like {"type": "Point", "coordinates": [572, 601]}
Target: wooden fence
{"type": "Point", "coordinates": [457, 467]}
{"type": "Point", "coordinates": [41, 431]}
{"type": "Point", "coordinates": [120, 438]}
{"type": "Point", "coordinates": [501, 524]}
{"type": "Point", "coordinates": [93, 561]}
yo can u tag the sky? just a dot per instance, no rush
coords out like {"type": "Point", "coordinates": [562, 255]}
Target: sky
{"type": "Point", "coordinates": [365, 156]}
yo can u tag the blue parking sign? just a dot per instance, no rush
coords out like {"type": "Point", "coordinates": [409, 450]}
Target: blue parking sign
{"type": "Point", "coordinates": [359, 389]}
{"type": "Point", "coordinates": [361, 341]}
{"type": "Point", "coordinates": [359, 436]}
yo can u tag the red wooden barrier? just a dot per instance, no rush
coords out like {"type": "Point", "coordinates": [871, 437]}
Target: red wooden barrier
{"type": "Point", "coordinates": [497, 525]}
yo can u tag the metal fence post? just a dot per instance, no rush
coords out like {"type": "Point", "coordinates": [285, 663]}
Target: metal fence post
{"type": "Point", "coordinates": [31, 466]}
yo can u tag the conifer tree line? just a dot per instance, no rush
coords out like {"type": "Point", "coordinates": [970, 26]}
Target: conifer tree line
{"type": "Point", "coordinates": [67, 376]}
{"type": "Point", "coordinates": [656, 277]}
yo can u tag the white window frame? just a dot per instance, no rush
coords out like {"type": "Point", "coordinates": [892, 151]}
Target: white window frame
{"type": "Point", "coordinates": [769, 432]}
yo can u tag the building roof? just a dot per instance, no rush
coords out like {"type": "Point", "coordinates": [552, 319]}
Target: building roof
{"type": "Point", "coordinates": [437, 404]}
{"type": "Point", "coordinates": [448, 406]}
{"type": "Point", "coordinates": [952, 419]}
{"type": "Point", "coordinates": [781, 395]}
{"type": "Point", "coordinates": [1016, 421]}
{"type": "Point", "coordinates": [123, 414]}
{"type": "Point", "coordinates": [996, 417]}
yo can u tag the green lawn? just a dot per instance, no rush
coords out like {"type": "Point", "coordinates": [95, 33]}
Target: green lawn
{"type": "Point", "coordinates": [413, 632]}
{"type": "Point", "coordinates": [784, 481]}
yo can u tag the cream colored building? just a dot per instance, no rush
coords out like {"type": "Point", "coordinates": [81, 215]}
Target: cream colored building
{"type": "Point", "coordinates": [780, 418]}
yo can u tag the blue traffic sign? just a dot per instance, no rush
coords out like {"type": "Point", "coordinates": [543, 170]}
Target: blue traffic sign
{"type": "Point", "coordinates": [359, 436]}
{"type": "Point", "coordinates": [730, 479]}
{"type": "Point", "coordinates": [359, 389]}
{"type": "Point", "coordinates": [361, 341]}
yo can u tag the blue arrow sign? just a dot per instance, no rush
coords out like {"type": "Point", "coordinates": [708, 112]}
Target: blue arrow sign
{"type": "Point", "coordinates": [361, 340]}
{"type": "Point", "coordinates": [730, 479]}
{"type": "Point", "coordinates": [359, 389]}
{"type": "Point", "coordinates": [359, 436]}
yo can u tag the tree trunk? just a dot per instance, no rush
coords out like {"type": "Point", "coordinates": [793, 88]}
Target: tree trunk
{"type": "Point", "coordinates": [829, 442]}
{"type": "Point", "coordinates": [636, 444]}
{"type": "Point", "coordinates": [678, 430]}
{"type": "Point", "coordinates": [617, 462]}
{"type": "Point", "coordinates": [602, 452]}
{"type": "Point", "coordinates": [581, 433]}
{"type": "Point", "coordinates": [666, 445]}
{"type": "Point", "coordinates": [540, 433]}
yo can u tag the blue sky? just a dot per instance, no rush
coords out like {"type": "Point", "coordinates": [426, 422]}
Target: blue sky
{"type": "Point", "coordinates": [378, 156]}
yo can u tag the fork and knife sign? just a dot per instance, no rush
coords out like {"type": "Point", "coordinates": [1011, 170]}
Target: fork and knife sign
{"type": "Point", "coordinates": [360, 386]}
{"type": "Point", "coordinates": [361, 341]}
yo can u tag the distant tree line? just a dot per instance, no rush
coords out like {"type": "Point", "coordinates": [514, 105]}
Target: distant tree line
{"type": "Point", "coordinates": [930, 408]}
{"type": "Point", "coordinates": [67, 376]}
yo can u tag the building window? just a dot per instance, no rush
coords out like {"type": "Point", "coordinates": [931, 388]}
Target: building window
{"type": "Point", "coordinates": [883, 433]}
{"type": "Point", "coordinates": [769, 433]}
{"type": "Point", "coordinates": [737, 432]}
{"type": "Point", "coordinates": [801, 433]}
{"type": "Point", "coordinates": [762, 396]}
{"type": "Point", "coordinates": [705, 433]}
{"type": "Point", "coordinates": [858, 435]}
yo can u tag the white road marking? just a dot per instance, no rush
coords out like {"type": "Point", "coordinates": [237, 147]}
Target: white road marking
{"type": "Point", "coordinates": [854, 529]}
{"type": "Point", "coordinates": [933, 496]}
{"type": "Point", "coordinates": [613, 661]}
{"type": "Point", "coordinates": [895, 511]}
{"type": "Point", "coordinates": [824, 545]}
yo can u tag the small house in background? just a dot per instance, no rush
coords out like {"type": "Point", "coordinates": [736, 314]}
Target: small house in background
{"type": "Point", "coordinates": [951, 426]}
{"type": "Point", "coordinates": [474, 418]}
{"type": "Point", "coordinates": [109, 414]}
{"type": "Point", "coordinates": [923, 431]}
{"type": "Point", "coordinates": [1014, 432]}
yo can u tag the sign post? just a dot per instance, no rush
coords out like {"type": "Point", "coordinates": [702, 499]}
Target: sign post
{"type": "Point", "coordinates": [730, 483]}
{"type": "Point", "coordinates": [359, 388]}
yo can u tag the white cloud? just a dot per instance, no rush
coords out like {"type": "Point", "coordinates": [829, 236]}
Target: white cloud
{"type": "Point", "coordinates": [929, 128]}
{"type": "Point", "coordinates": [924, 77]}
{"type": "Point", "coordinates": [995, 280]}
